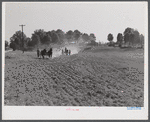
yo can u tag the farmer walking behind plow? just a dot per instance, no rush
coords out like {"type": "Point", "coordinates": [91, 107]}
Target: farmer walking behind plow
{"type": "Point", "coordinates": [38, 52]}
{"type": "Point", "coordinates": [69, 52]}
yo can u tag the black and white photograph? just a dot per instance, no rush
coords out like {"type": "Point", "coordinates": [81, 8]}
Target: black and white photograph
{"type": "Point", "coordinates": [74, 60]}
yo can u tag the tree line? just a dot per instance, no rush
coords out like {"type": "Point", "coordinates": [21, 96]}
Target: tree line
{"type": "Point", "coordinates": [129, 38]}
{"type": "Point", "coordinates": [40, 37]}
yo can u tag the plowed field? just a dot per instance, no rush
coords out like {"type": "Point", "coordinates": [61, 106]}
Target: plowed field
{"type": "Point", "coordinates": [98, 77]}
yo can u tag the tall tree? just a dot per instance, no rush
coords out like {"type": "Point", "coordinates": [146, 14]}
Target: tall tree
{"type": "Point", "coordinates": [86, 37]}
{"type": "Point", "coordinates": [92, 37]}
{"type": "Point", "coordinates": [110, 37]}
{"type": "Point", "coordinates": [35, 40]}
{"type": "Point", "coordinates": [77, 34]}
{"type": "Point", "coordinates": [136, 37]}
{"type": "Point", "coordinates": [55, 37]}
{"type": "Point", "coordinates": [47, 39]}
{"type": "Point", "coordinates": [69, 34]}
{"type": "Point", "coordinates": [61, 35]}
{"type": "Point", "coordinates": [129, 36]}
{"type": "Point", "coordinates": [128, 30]}
{"type": "Point", "coordinates": [132, 37]}
{"type": "Point", "coordinates": [17, 39]}
{"type": "Point", "coordinates": [119, 39]}
{"type": "Point", "coordinates": [41, 33]}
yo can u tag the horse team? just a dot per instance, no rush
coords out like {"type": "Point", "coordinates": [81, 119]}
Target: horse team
{"type": "Point", "coordinates": [44, 53]}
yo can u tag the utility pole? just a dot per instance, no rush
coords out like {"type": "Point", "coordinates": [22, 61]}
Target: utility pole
{"type": "Point", "coordinates": [22, 37]}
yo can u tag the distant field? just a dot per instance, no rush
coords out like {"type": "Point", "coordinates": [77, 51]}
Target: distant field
{"type": "Point", "coordinates": [101, 76]}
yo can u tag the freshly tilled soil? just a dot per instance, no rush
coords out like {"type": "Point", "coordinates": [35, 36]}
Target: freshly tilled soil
{"type": "Point", "coordinates": [92, 78]}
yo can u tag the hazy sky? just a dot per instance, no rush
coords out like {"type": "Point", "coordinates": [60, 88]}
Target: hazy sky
{"type": "Point", "coordinates": [100, 18]}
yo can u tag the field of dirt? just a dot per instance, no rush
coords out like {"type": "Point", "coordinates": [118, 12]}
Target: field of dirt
{"type": "Point", "coordinates": [98, 76]}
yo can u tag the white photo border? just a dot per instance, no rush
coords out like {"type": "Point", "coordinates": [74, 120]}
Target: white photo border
{"type": "Point", "coordinates": [70, 112]}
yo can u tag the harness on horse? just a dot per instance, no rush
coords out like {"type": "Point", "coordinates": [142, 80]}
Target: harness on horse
{"type": "Point", "coordinates": [44, 53]}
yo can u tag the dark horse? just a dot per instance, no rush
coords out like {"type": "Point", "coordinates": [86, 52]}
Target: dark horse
{"type": "Point", "coordinates": [44, 53]}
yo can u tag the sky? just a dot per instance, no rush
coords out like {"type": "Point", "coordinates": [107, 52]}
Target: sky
{"type": "Point", "coordinates": [100, 18]}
